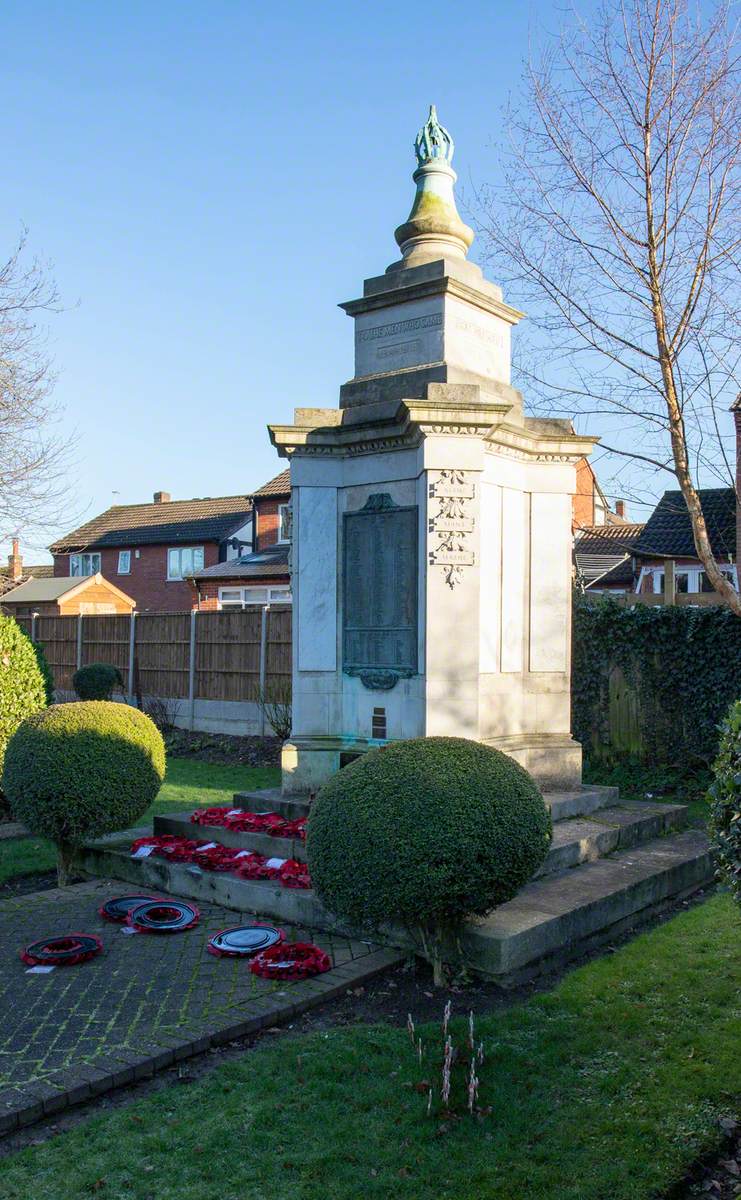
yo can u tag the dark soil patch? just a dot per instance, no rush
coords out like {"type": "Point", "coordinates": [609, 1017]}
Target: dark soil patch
{"type": "Point", "coordinates": [23, 885]}
{"type": "Point", "coordinates": [718, 1176]}
{"type": "Point", "coordinates": [223, 748]}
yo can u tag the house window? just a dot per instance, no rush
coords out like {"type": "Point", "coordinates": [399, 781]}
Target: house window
{"type": "Point", "coordinates": [241, 596]}
{"type": "Point", "coordinates": [284, 527]}
{"type": "Point", "coordinates": [84, 564]}
{"type": "Point", "coordinates": [183, 561]}
{"type": "Point", "coordinates": [686, 579]}
{"type": "Point", "coordinates": [124, 562]}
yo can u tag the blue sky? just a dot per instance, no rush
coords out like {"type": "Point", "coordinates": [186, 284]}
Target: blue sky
{"type": "Point", "coordinates": [209, 181]}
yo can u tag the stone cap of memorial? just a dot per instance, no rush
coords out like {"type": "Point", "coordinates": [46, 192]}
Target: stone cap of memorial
{"type": "Point", "coordinates": [433, 228]}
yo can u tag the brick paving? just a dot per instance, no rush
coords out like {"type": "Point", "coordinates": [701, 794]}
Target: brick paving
{"type": "Point", "coordinates": [146, 1001]}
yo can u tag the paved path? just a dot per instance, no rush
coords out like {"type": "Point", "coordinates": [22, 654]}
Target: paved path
{"type": "Point", "coordinates": [143, 1003]}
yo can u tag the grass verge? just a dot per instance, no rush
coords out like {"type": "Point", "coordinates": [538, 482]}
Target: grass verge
{"type": "Point", "coordinates": [188, 784]}
{"type": "Point", "coordinates": [607, 1087]}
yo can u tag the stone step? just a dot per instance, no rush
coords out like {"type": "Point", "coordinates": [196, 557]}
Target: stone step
{"type": "Point", "coordinates": [579, 840]}
{"type": "Point", "coordinates": [559, 917]}
{"type": "Point", "coordinates": [578, 803]}
{"type": "Point", "coordinates": [581, 802]}
{"type": "Point", "coordinates": [552, 920]}
{"type": "Point", "coordinates": [181, 825]}
{"type": "Point", "coordinates": [575, 840]}
{"type": "Point", "coordinates": [272, 800]}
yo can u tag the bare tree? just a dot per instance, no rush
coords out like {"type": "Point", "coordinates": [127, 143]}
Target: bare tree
{"type": "Point", "coordinates": [33, 456]}
{"type": "Point", "coordinates": [618, 219]}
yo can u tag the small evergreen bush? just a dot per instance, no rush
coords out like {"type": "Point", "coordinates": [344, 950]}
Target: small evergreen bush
{"type": "Point", "coordinates": [46, 671]}
{"type": "Point", "coordinates": [725, 802]}
{"type": "Point", "coordinates": [96, 681]}
{"type": "Point", "coordinates": [424, 833]}
{"type": "Point", "coordinates": [22, 690]}
{"type": "Point", "coordinates": [78, 771]}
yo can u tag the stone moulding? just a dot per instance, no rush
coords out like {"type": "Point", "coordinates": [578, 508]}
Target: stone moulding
{"type": "Point", "coordinates": [379, 679]}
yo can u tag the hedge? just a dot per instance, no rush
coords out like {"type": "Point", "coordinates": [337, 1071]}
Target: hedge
{"type": "Point", "coordinates": [683, 663]}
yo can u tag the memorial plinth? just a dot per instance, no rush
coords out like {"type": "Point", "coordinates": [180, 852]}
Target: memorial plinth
{"type": "Point", "coordinates": [431, 556]}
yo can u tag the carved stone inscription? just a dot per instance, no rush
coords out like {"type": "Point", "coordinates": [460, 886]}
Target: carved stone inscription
{"type": "Point", "coordinates": [380, 589]}
{"type": "Point", "coordinates": [451, 525]}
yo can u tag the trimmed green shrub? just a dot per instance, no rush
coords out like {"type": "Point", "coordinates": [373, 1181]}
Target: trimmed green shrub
{"type": "Point", "coordinates": [22, 689]}
{"type": "Point", "coordinates": [424, 833]}
{"type": "Point", "coordinates": [46, 671]}
{"type": "Point", "coordinates": [725, 802]}
{"type": "Point", "coordinates": [78, 771]}
{"type": "Point", "coordinates": [96, 681]}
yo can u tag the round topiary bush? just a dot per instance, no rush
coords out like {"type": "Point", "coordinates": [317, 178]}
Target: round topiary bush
{"type": "Point", "coordinates": [424, 833]}
{"type": "Point", "coordinates": [725, 802]}
{"type": "Point", "coordinates": [78, 771]}
{"type": "Point", "coordinates": [22, 690]}
{"type": "Point", "coordinates": [96, 681]}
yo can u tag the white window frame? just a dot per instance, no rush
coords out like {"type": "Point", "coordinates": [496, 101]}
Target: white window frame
{"type": "Point", "coordinates": [656, 574]}
{"type": "Point", "coordinates": [93, 557]}
{"type": "Point", "coordinates": [180, 551]}
{"type": "Point", "coordinates": [240, 597]}
{"type": "Point", "coordinates": [124, 556]}
{"type": "Point", "coordinates": [284, 523]}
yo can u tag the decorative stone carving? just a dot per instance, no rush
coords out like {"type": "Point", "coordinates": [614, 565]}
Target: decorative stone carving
{"type": "Point", "coordinates": [379, 680]}
{"type": "Point", "coordinates": [452, 524]}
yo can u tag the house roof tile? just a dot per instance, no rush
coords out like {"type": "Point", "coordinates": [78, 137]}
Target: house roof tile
{"type": "Point", "coordinates": [668, 531]}
{"type": "Point", "coordinates": [174, 521]}
{"type": "Point", "coordinates": [279, 486]}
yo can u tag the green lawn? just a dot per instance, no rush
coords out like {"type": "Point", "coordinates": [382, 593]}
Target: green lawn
{"type": "Point", "coordinates": [188, 784]}
{"type": "Point", "coordinates": [606, 1088]}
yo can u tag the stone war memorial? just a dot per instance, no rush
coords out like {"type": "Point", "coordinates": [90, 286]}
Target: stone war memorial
{"type": "Point", "coordinates": [431, 574]}
{"type": "Point", "coordinates": [431, 559]}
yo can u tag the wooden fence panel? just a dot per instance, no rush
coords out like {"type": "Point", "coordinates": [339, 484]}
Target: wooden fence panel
{"type": "Point", "coordinates": [162, 654]}
{"type": "Point", "coordinates": [228, 655]}
{"type": "Point", "coordinates": [625, 715]}
{"type": "Point", "coordinates": [278, 656]}
{"type": "Point", "coordinates": [106, 639]}
{"type": "Point", "coordinates": [58, 636]}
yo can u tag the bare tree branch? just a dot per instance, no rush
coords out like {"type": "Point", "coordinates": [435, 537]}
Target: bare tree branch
{"type": "Point", "coordinates": [617, 222]}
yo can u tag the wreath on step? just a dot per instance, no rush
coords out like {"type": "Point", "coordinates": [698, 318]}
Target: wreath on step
{"type": "Point", "coordinates": [291, 960]}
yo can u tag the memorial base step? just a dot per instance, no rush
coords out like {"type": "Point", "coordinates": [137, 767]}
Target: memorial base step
{"type": "Point", "coordinates": [610, 868]}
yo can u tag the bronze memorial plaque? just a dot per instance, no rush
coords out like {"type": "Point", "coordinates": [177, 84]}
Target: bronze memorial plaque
{"type": "Point", "coordinates": [380, 592]}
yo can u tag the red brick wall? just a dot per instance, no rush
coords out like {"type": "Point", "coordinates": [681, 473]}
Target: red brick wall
{"type": "Point", "coordinates": [147, 583]}
{"type": "Point", "coordinates": [209, 589]}
{"type": "Point", "coordinates": [267, 519]}
{"type": "Point", "coordinates": [583, 500]}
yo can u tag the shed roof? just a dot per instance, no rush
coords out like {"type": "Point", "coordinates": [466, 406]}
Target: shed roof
{"type": "Point", "coordinates": [36, 591]}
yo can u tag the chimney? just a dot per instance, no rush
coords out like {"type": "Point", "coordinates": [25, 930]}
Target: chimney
{"type": "Point", "coordinates": [15, 562]}
{"type": "Point", "coordinates": [620, 508]}
{"type": "Point", "coordinates": [162, 497]}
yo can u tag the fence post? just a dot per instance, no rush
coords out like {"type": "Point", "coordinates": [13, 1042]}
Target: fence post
{"type": "Point", "coordinates": [34, 615]}
{"type": "Point", "coordinates": [192, 669]}
{"type": "Point", "coordinates": [263, 663]}
{"type": "Point", "coordinates": [670, 582]}
{"type": "Point", "coordinates": [79, 640]}
{"type": "Point", "coordinates": [132, 652]}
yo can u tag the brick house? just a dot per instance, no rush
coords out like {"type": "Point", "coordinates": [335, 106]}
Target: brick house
{"type": "Point", "coordinates": [150, 550]}
{"type": "Point", "coordinates": [261, 575]}
{"type": "Point", "coordinates": [589, 507]}
{"type": "Point", "coordinates": [632, 558]}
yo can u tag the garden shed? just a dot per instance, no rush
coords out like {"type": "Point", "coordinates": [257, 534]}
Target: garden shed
{"type": "Point", "coordinates": [66, 597]}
